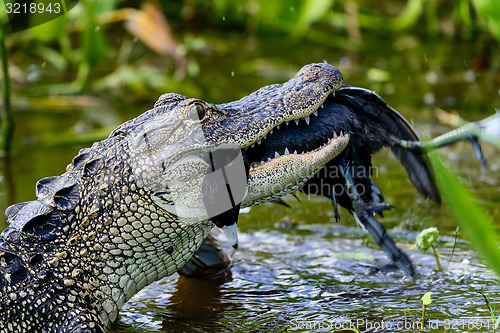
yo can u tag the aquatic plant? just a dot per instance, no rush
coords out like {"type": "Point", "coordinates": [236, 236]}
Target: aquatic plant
{"type": "Point", "coordinates": [426, 239]}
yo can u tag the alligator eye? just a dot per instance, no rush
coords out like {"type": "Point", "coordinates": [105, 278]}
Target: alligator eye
{"type": "Point", "coordinates": [197, 111]}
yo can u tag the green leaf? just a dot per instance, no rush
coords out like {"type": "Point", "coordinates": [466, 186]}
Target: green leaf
{"type": "Point", "coordinates": [489, 11]}
{"type": "Point", "coordinates": [312, 11]}
{"type": "Point", "coordinates": [426, 299]}
{"type": "Point", "coordinates": [3, 15]}
{"type": "Point", "coordinates": [426, 238]}
{"type": "Point", "coordinates": [50, 30]}
{"type": "Point", "coordinates": [473, 219]}
{"type": "Point", "coordinates": [410, 15]}
{"type": "Point", "coordinates": [93, 41]}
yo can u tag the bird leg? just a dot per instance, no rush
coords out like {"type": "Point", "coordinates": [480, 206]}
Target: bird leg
{"type": "Point", "coordinates": [487, 129]}
{"type": "Point", "coordinates": [364, 217]}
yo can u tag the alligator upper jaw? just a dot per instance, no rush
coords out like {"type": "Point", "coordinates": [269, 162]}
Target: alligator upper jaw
{"type": "Point", "coordinates": [249, 119]}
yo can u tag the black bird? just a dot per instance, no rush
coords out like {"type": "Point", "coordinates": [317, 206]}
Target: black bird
{"type": "Point", "coordinates": [372, 125]}
{"type": "Point", "coordinates": [346, 179]}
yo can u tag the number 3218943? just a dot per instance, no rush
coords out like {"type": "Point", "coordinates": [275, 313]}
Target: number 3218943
{"type": "Point", "coordinates": [32, 8]}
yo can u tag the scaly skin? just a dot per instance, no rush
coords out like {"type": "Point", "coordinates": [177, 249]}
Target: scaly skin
{"type": "Point", "coordinates": [130, 209]}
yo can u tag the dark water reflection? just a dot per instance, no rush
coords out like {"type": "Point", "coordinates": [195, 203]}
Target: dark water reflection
{"type": "Point", "coordinates": [294, 278]}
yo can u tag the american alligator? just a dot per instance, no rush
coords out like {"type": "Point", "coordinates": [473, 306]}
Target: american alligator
{"type": "Point", "coordinates": [134, 207]}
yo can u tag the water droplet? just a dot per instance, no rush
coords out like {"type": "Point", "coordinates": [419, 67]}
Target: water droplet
{"type": "Point", "coordinates": [431, 77]}
{"type": "Point", "coordinates": [32, 73]}
{"type": "Point", "coordinates": [469, 76]}
{"type": "Point", "coordinates": [429, 99]}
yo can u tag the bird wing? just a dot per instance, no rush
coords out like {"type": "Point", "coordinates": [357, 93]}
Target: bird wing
{"type": "Point", "coordinates": [416, 164]}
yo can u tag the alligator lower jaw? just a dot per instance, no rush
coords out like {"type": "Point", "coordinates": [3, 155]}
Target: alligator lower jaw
{"type": "Point", "coordinates": [317, 157]}
{"type": "Point", "coordinates": [284, 173]}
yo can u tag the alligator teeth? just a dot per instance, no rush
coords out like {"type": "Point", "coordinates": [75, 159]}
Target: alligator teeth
{"type": "Point", "coordinates": [253, 145]}
{"type": "Point", "coordinates": [295, 152]}
{"type": "Point", "coordinates": [307, 119]}
{"type": "Point", "coordinates": [286, 122]}
{"type": "Point", "coordinates": [316, 112]}
{"type": "Point", "coordinates": [269, 159]}
{"type": "Point", "coordinates": [261, 162]}
{"type": "Point", "coordinates": [278, 127]}
{"type": "Point", "coordinates": [333, 94]}
{"type": "Point", "coordinates": [287, 152]}
{"type": "Point", "coordinates": [259, 142]}
{"type": "Point", "coordinates": [334, 135]}
{"type": "Point", "coordinates": [341, 133]}
{"type": "Point", "coordinates": [323, 105]}
{"type": "Point", "coordinates": [297, 122]}
{"type": "Point", "coordinates": [271, 132]}
{"type": "Point", "coordinates": [276, 154]}
{"type": "Point", "coordinates": [329, 141]}
{"type": "Point", "coordinates": [265, 136]}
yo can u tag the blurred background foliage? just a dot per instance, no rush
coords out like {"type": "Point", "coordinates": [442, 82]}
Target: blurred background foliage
{"type": "Point", "coordinates": [164, 42]}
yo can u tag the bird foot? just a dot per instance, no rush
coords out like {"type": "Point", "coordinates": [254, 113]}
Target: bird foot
{"type": "Point", "coordinates": [378, 208]}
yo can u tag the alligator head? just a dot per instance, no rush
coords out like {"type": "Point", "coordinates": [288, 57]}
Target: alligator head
{"type": "Point", "coordinates": [203, 161]}
{"type": "Point", "coordinates": [134, 208]}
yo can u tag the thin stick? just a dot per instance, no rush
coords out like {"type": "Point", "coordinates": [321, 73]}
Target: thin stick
{"type": "Point", "coordinates": [6, 115]}
{"type": "Point", "coordinates": [454, 246]}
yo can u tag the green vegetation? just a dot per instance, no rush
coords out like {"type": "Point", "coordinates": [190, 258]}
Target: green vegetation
{"type": "Point", "coordinates": [85, 36]}
{"type": "Point", "coordinates": [426, 239]}
{"type": "Point", "coordinates": [420, 326]}
{"type": "Point", "coordinates": [468, 213]}
{"type": "Point", "coordinates": [426, 300]}
{"type": "Point", "coordinates": [495, 320]}
{"type": "Point", "coordinates": [315, 18]}
{"type": "Point", "coordinates": [5, 111]}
